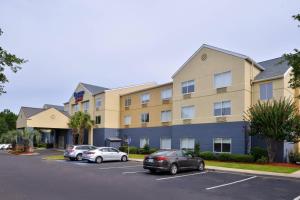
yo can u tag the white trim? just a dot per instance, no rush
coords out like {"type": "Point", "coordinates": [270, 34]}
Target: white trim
{"type": "Point", "coordinates": [268, 79]}
{"type": "Point", "coordinates": [287, 71]}
{"type": "Point", "coordinates": [220, 50]}
{"type": "Point", "coordinates": [221, 145]}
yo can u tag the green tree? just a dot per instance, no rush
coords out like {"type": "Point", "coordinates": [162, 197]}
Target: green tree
{"type": "Point", "coordinates": [293, 60]}
{"type": "Point", "coordinates": [3, 126]}
{"type": "Point", "coordinates": [275, 121]}
{"type": "Point", "coordinates": [10, 118]}
{"type": "Point", "coordinates": [8, 60]}
{"type": "Point", "coordinates": [78, 123]}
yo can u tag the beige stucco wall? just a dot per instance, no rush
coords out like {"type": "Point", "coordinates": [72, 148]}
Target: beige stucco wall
{"type": "Point", "coordinates": [50, 118]}
{"type": "Point", "coordinates": [205, 94]}
{"type": "Point", "coordinates": [22, 120]}
{"type": "Point", "coordinates": [154, 107]}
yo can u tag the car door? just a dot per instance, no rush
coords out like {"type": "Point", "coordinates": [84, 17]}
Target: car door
{"type": "Point", "coordinates": [106, 154]}
{"type": "Point", "coordinates": [181, 159]}
{"type": "Point", "coordinates": [114, 153]}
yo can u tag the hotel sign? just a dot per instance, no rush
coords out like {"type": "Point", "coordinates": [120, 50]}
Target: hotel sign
{"type": "Point", "coordinates": [78, 96]}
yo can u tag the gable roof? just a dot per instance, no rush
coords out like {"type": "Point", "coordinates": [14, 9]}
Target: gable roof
{"type": "Point", "coordinates": [220, 50]}
{"type": "Point", "coordinates": [30, 111]}
{"type": "Point", "coordinates": [94, 89]}
{"type": "Point", "coordinates": [57, 107]}
{"type": "Point", "coordinates": [276, 67]}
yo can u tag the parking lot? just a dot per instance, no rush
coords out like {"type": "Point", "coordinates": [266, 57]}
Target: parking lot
{"type": "Point", "coordinates": [30, 177]}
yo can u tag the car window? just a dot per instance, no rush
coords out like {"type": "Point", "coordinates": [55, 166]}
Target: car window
{"type": "Point", "coordinates": [113, 150]}
{"type": "Point", "coordinates": [179, 153]}
{"type": "Point", "coordinates": [92, 147]}
{"type": "Point", "coordinates": [104, 150]}
{"type": "Point", "coordinates": [164, 153]}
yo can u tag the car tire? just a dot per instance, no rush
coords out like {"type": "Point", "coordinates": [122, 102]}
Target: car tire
{"type": "Point", "coordinates": [173, 169]}
{"type": "Point", "coordinates": [79, 157]}
{"type": "Point", "coordinates": [99, 160]}
{"type": "Point", "coordinates": [201, 166]}
{"type": "Point", "coordinates": [152, 171]}
{"type": "Point", "coordinates": [71, 159]}
{"type": "Point", "coordinates": [124, 159]}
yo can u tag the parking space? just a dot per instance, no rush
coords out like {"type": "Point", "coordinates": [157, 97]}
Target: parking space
{"type": "Point", "coordinates": [129, 180]}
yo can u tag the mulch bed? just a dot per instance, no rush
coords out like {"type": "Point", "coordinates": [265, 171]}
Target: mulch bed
{"type": "Point", "coordinates": [285, 165]}
{"type": "Point", "coordinates": [23, 153]}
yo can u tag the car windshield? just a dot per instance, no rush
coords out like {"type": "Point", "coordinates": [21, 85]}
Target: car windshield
{"type": "Point", "coordinates": [164, 153]}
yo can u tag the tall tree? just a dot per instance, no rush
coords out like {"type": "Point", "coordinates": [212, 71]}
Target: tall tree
{"type": "Point", "coordinates": [10, 61]}
{"type": "Point", "coordinates": [10, 118]}
{"type": "Point", "coordinates": [79, 122]}
{"type": "Point", "coordinates": [274, 121]}
{"type": "Point", "coordinates": [293, 60]}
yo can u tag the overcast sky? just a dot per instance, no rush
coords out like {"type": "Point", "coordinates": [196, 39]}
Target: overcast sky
{"type": "Point", "coordinates": [119, 43]}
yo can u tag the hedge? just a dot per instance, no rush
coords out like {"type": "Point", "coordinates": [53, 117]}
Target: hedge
{"type": "Point", "coordinates": [207, 155]}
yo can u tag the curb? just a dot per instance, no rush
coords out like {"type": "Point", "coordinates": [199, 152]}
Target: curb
{"type": "Point", "coordinates": [213, 168]}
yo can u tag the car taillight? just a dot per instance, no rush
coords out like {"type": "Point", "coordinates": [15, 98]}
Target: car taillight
{"type": "Point", "coordinates": [161, 158]}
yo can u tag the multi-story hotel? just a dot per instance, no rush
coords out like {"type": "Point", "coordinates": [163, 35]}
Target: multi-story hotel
{"type": "Point", "coordinates": [205, 104]}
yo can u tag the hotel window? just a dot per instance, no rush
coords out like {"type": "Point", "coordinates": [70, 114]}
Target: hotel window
{"type": "Point", "coordinates": [145, 98]}
{"type": "Point", "coordinates": [222, 79]}
{"type": "Point", "coordinates": [143, 142]}
{"type": "Point", "coordinates": [165, 143]}
{"type": "Point", "coordinates": [85, 106]}
{"type": "Point", "coordinates": [266, 91]}
{"type": "Point", "coordinates": [127, 120]}
{"type": "Point", "coordinates": [222, 145]}
{"type": "Point", "coordinates": [187, 143]}
{"type": "Point", "coordinates": [75, 108]}
{"type": "Point", "coordinates": [166, 116]}
{"type": "Point", "coordinates": [127, 101]}
{"type": "Point", "coordinates": [98, 103]}
{"type": "Point", "coordinates": [187, 112]}
{"type": "Point", "coordinates": [166, 94]}
{"type": "Point", "coordinates": [188, 87]}
{"type": "Point", "coordinates": [98, 119]}
{"type": "Point", "coordinates": [144, 117]}
{"type": "Point", "coordinates": [222, 108]}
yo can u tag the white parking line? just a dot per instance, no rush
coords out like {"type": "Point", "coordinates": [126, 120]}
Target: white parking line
{"type": "Point", "coordinates": [172, 177]}
{"type": "Point", "coordinates": [223, 185]}
{"type": "Point", "coordinates": [134, 172]}
{"type": "Point", "coordinates": [297, 198]}
{"type": "Point", "coordinates": [120, 167]}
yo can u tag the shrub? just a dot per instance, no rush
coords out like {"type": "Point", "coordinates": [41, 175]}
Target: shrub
{"type": "Point", "coordinates": [258, 152]}
{"type": "Point", "coordinates": [207, 155]}
{"type": "Point", "coordinates": [133, 150]}
{"type": "Point", "coordinates": [152, 150]}
{"type": "Point", "coordinates": [224, 157]}
{"type": "Point", "coordinates": [294, 157]}
{"type": "Point", "coordinates": [123, 148]}
{"type": "Point", "coordinates": [241, 158]}
{"type": "Point", "coordinates": [197, 149]}
{"type": "Point", "coordinates": [262, 160]}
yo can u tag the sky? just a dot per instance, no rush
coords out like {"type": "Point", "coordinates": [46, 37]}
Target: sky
{"type": "Point", "coordinates": [118, 43]}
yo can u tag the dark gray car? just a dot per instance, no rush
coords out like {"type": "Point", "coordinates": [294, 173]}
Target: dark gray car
{"type": "Point", "coordinates": [173, 161]}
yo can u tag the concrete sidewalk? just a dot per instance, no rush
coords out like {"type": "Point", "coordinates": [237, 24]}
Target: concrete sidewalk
{"type": "Point", "coordinates": [292, 175]}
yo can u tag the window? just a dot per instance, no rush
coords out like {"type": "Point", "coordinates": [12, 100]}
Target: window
{"type": "Point", "coordinates": [222, 145]}
{"type": "Point", "coordinates": [98, 103]}
{"type": "Point", "coordinates": [222, 79]}
{"type": "Point", "coordinates": [85, 106]}
{"type": "Point", "coordinates": [144, 117]}
{"type": "Point", "coordinates": [75, 108]}
{"type": "Point", "coordinates": [98, 119]}
{"type": "Point", "coordinates": [127, 101]}
{"type": "Point", "coordinates": [266, 91]}
{"type": "Point", "coordinates": [113, 150]}
{"type": "Point", "coordinates": [188, 87]}
{"type": "Point", "coordinates": [166, 116]}
{"type": "Point", "coordinates": [222, 108]}
{"type": "Point", "coordinates": [187, 143]}
{"type": "Point", "coordinates": [127, 120]}
{"type": "Point", "coordinates": [145, 98]}
{"type": "Point", "coordinates": [165, 143]}
{"type": "Point", "coordinates": [187, 112]}
{"type": "Point", "coordinates": [166, 94]}
{"type": "Point", "coordinates": [143, 142]}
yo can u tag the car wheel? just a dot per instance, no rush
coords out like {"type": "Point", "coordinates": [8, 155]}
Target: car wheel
{"type": "Point", "coordinates": [71, 159]}
{"type": "Point", "coordinates": [79, 157]}
{"type": "Point", "coordinates": [152, 171]}
{"type": "Point", "coordinates": [173, 169]}
{"type": "Point", "coordinates": [124, 158]}
{"type": "Point", "coordinates": [201, 166]}
{"type": "Point", "coordinates": [99, 160]}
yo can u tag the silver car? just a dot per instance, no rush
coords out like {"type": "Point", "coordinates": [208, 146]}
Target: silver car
{"type": "Point", "coordinates": [75, 152]}
{"type": "Point", "coordinates": [104, 154]}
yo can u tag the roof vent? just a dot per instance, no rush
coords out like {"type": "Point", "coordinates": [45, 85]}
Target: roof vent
{"type": "Point", "coordinates": [204, 57]}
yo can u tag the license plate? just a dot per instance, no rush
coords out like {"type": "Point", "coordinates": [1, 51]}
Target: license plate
{"type": "Point", "coordinates": [150, 160]}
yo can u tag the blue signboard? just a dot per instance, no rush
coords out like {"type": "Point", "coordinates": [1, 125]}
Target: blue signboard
{"type": "Point", "coordinates": [78, 96]}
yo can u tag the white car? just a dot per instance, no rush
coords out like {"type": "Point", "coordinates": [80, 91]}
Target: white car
{"type": "Point", "coordinates": [104, 154]}
{"type": "Point", "coordinates": [1, 145]}
{"type": "Point", "coordinates": [6, 147]}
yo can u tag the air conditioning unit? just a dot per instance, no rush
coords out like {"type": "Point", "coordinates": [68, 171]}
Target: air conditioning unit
{"type": "Point", "coordinates": [221, 90]}
{"type": "Point", "coordinates": [221, 119]}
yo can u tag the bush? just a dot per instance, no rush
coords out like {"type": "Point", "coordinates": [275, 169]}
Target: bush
{"type": "Point", "coordinates": [133, 150]}
{"type": "Point", "coordinates": [294, 157]}
{"type": "Point", "coordinates": [241, 158]}
{"type": "Point", "coordinates": [152, 150]}
{"type": "Point", "coordinates": [262, 160]}
{"type": "Point", "coordinates": [197, 149]}
{"type": "Point", "coordinates": [224, 157]}
{"type": "Point", "coordinates": [258, 152]}
{"type": "Point", "coordinates": [42, 145]}
{"type": "Point", "coordinates": [123, 148]}
{"type": "Point", "coordinates": [207, 155]}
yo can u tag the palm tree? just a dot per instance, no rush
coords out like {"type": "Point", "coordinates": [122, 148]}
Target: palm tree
{"type": "Point", "coordinates": [78, 123]}
{"type": "Point", "coordinates": [275, 121]}
{"type": "Point", "coordinates": [27, 137]}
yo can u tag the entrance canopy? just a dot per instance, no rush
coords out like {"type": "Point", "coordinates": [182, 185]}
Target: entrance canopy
{"type": "Point", "coordinates": [48, 118]}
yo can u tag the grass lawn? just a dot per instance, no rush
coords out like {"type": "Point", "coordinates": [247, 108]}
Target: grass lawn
{"type": "Point", "coordinates": [250, 166]}
{"type": "Point", "coordinates": [136, 156]}
{"type": "Point", "coordinates": [55, 157]}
